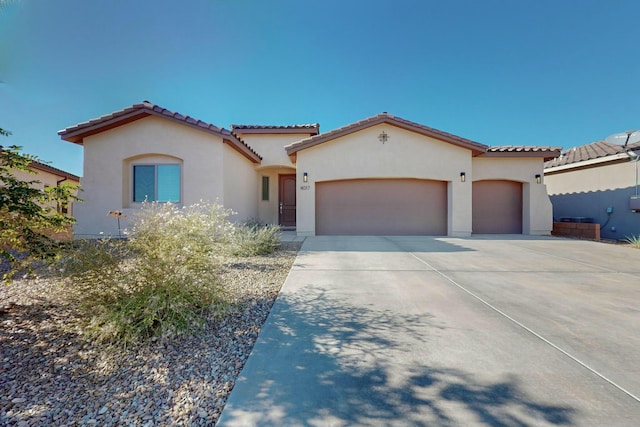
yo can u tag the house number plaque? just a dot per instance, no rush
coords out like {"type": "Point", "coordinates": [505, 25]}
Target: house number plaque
{"type": "Point", "coordinates": [305, 187]}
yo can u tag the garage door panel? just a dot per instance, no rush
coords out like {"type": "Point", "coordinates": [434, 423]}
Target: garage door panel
{"type": "Point", "coordinates": [497, 207]}
{"type": "Point", "coordinates": [381, 207]}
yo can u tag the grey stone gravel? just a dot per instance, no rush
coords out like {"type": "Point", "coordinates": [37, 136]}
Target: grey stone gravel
{"type": "Point", "coordinates": [50, 376]}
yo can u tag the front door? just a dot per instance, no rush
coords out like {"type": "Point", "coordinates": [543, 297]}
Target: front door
{"type": "Point", "coordinates": [287, 199]}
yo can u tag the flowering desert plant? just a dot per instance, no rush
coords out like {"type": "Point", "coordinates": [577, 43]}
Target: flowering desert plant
{"type": "Point", "coordinates": [163, 281]}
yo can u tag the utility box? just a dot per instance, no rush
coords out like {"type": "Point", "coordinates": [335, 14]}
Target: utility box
{"type": "Point", "coordinates": [634, 203]}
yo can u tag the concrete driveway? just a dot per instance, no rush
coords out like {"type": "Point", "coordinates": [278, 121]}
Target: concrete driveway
{"type": "Point", "coordinates": [422, 331]}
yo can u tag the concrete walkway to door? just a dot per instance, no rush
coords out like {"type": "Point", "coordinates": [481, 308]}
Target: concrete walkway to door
{"type": "Point", "coordinates": [423, 331]}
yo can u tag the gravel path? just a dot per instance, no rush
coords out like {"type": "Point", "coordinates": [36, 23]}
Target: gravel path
{"type": "Point", "coordinates": [49, 376]}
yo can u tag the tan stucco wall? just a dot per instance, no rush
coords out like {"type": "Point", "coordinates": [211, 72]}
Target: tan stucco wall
{"type": "Point", "coordinates": [275, 162]}
{"type": "Point", "coordinates": [268, 209]}
{"type": "Point", "coordinates": [537, 212]}
{"type": "Point", "coordinates": [107, 168]}
{"type": "Point", "coordinates": [404, 155]}
{"type": "Point", "coordinates": [47, 179]}
{"type": "Point", "coordinates": [596, 178]}
{"type": "Point", "coordinates": [271, 147]}
{"type": "Point", "coordinates": [591, 192]}
{"type": "Point", "coordinates": [240, 190]}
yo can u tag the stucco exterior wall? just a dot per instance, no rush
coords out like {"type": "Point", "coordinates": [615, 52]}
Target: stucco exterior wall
{"type": "Point", "coordinates": [275, 162]}
{"type": "Point", "coordinates": [48, 179]}
{"type": "Point", "coordinates": [537, 211]}
{"type": "Point", "coordinates": [106, 181]}
{"type": "Point", "coordinates": [45, 178]}
{"type": "Point", "coordinates": [271, 147]}
{"type": "Point", "coordinates": [240, 189]}
{"type": "Point", "coordinates": [589, 192]}
{"type": "Point", "coordinates": [268, 209]}
{"type": "Point", "coordinates": [404, 155]}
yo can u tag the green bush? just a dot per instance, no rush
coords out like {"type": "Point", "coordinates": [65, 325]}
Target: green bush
{"type": "Point", "coordinates": [252, 240]}
{"type": "Point", "coordinates": [162, 281]}
{"type": "Point", "coordinates": [28, 214]}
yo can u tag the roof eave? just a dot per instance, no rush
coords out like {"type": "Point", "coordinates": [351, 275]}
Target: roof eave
{"type": "Point", "coordinates": [545, 154]}
{"type": "Point", "coordinates": [52, 170]}
{"type": "Point", "coordinates": [475, 147]}
{"type": "Point", "coordinates": [243, 149]}
{"type": "Point", "coordinates": [588, 163]}
{"type": "Point", "coordinates": [80, 132]}
{"type": "Point", "coordinates": [77, 133]}
{"type": "Point", "coordinates": [289, 131]}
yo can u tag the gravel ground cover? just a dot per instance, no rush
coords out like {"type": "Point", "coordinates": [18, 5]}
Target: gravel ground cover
{"type": "Point", "coordinates": [49, 375]}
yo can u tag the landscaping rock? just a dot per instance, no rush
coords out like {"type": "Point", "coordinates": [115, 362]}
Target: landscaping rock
{"type": "Point", "coordinates": [49, 375]}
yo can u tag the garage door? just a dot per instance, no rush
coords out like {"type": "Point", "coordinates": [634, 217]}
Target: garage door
{"type": "Point", "coordinates": [497, 207]}
{"type": "Point", "coordinates": [381, 207]}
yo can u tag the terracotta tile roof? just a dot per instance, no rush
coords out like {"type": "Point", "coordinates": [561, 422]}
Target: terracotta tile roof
{"type": "Point", "coordinates": [592, 151]}
{"type": "Point", "coordinates": [78, 132]}
{"type": "Point", "coordinates": [523, 151]}
{"type": "Point", "coordinates": [386, 118]}
{"type": "Point", "coordinates": [308, 128]}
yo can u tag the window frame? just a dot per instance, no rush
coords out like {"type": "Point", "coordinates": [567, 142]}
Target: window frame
{"type": "Point", "coordinates": [265, 188]}
{"type": "Point", "coordinates": [155, 181]}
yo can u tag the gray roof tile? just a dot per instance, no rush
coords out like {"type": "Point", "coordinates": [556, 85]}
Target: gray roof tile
{"type": "Point", "coordinates": [594, 150]}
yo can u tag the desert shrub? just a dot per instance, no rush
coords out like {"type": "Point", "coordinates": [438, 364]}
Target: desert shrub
{"type": "Point", "coordinates": [90, 256]}
{"type": "Point", "coordinates": [634, 241]}
{"type": "Point", "coordinates": [252, 240]}
{"type": "Point", "coordinates": [162, 281]}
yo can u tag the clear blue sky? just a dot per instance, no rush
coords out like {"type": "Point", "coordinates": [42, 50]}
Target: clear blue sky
{"type": "Point", "coordinates": [538, 72]}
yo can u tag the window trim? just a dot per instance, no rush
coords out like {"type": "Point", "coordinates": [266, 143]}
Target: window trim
{"type": "Point", "coordinates": [155, 182]}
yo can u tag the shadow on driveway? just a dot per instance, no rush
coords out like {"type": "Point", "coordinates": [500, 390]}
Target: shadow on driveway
{"type": "Point", "coordinates": [323, 361]}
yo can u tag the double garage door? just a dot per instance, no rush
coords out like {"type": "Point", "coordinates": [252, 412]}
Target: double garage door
{"type": "Point", "coordinates": [411, 207]}
{"type": "Point", "coordinates": [381, 207]}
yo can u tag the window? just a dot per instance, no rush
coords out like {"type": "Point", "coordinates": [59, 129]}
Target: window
{"type": "Point", "coordinates": [156, 183]}
{"type": "Point", "coordinates": [265, 188]}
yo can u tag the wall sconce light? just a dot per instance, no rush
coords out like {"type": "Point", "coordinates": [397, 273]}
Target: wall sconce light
{"type": "Point", "coordinates": [305, 177]}
{"type": "Point", "coordinates": [538, 179]}
{"type": "Point", "coordinates": [463, 177]}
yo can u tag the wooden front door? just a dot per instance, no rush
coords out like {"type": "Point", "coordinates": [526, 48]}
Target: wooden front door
{"type": "Point", "coordinates": [287, 199]}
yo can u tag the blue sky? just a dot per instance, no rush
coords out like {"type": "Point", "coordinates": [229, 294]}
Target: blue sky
{"type": "Point", "coordinates": [539, 72]}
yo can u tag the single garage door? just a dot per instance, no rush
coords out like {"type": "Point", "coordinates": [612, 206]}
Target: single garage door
{"type": "Point", "coordinates": [497, 207]}
{"type": "Point", "coordinates": [381, 207]}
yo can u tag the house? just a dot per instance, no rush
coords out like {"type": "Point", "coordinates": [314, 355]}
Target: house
{"type": "Point", "coordinates": [381, 175]}
{"type": "Point", "coordinates": [597, 183]}
{"type": "Point", "coordinates": [47, 176]}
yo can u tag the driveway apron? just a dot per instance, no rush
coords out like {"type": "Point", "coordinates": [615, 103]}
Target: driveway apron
{"type": "Point", "coordinates": [424, 331]}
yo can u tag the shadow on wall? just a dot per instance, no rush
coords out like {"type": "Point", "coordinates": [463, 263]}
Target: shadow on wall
{"type": "Point", "coordinates": [333, 363]}
{"type": "Point", "coordinates": [622, 222]}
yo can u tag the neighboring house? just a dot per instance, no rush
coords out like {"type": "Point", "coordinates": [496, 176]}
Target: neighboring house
{"type": "Point", "coordinates": [597, 182]}
{"type": "Point", "coordinates": [381, 175]}
{"type": "Point", "coordinates": [48, 176]}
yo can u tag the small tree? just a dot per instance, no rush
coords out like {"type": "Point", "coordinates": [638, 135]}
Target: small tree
{"type": "Point", "coordinates": [28, 215]}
